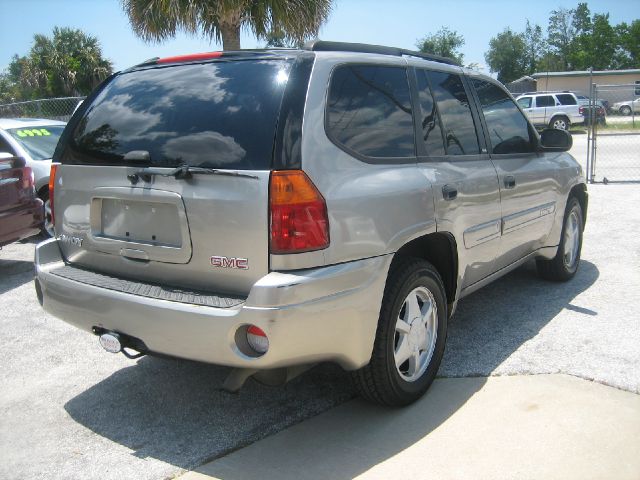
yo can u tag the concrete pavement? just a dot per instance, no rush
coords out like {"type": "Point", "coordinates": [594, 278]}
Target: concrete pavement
{"type": "Point", "coordinates": [538, 426]}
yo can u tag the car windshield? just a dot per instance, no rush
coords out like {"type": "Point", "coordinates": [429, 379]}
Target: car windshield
{"type": "Point", "coordinates": [40, 141]}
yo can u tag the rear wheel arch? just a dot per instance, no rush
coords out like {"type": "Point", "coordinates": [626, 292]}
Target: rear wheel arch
{"type": "Point", "coordinates": [439, 249]}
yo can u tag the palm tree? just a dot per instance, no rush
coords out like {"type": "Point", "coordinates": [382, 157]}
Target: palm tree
{"type": "Point", "coordinates": [157, 20]}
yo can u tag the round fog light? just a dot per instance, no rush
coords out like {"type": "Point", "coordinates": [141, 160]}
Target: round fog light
{"type": "Point", "coordinates": [257, 339]}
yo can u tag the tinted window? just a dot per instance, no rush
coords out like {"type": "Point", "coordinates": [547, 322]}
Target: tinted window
{"type": "Point", "coordinates": [39, 142]}
{"type": "Point", "coordinates": [5, 147]}
{"type": "Point", "coordinates": [566, 99]}
{"type": "Point", "coordinates": [524, 102]}
{"type": "Point", "coordinates": [545, 101]}
{"type": "Point", "coordinates": [219, 115]}
{"type": "Point", "coordinates": [508, 129]}
{"type": "Point", "coordinates": [453, 104]}
{"type": "Point", "coordinates": [369, 111]}
{"type": "Point", "coordinates": [429, 121]}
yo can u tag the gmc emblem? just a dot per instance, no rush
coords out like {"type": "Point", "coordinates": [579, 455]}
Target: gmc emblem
{"type": "Point", "coordinates": [230, 262]}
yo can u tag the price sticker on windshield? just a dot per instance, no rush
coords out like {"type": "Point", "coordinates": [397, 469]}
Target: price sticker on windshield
{"type": "Point", "coordinates": [33, 132]}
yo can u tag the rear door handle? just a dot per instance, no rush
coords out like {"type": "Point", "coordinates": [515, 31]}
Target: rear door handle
{"type": "Point", "coordinates": [449, 192]}
{"type": "Point", "coordinates": [509, 181]}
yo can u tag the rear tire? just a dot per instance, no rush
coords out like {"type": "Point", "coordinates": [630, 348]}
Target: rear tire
{"type": "Point", "coordinates": [412, 324]}
{"type": "Point", "coordinates": [559, 123]}
{"type": "Point", "coordinates": [47, 227]}
{"type": "Point", "coordinates": [565, 264]}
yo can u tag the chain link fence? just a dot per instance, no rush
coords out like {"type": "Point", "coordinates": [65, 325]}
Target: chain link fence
{"type": "Point", "coordinates": [49, 108]}
{"type": "Point", "coordinates": [613, 146]}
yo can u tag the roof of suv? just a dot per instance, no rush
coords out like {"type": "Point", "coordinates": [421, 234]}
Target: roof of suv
{"type": "Point", "coordinates": [313, 46]}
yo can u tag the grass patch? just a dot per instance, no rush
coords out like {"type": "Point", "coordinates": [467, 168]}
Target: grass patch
{"type": "Point", "coordinates": [621, 125]}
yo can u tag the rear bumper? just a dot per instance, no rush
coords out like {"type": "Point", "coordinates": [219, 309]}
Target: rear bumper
{"type": "Point", "coordinates": [323, 314]}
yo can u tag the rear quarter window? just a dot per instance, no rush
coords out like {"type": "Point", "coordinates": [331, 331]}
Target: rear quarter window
{"type": "Point", "coordinates": [566, 99]}
{"type": "Point", "coordinates": [369, 111]}
{"type": "Point", "coordinates": [217, 115]}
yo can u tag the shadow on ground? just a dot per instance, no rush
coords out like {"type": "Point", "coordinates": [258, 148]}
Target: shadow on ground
{"type": "Point", "coordinates": [14, 273]}
{"type": "Point", "coordinates": [173, 411]}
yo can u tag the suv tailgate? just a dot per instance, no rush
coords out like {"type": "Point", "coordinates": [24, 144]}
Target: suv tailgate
{"type": "Point", "coordinates": [119, 210]}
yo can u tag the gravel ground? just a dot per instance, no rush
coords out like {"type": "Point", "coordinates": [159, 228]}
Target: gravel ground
{"type": "Point", "coordinates": [70, 410]}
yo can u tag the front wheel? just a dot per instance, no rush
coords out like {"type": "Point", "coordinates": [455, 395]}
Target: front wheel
{"type": "Point", "coordinates": [410, 337]}
{"type": "Point", "coordinates": [565, 264]}
{"type": "Point", "coordinates": [624, 110]}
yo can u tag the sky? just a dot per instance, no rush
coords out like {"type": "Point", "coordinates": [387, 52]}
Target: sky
{"type": "Point", "coordinates": [398, 23]}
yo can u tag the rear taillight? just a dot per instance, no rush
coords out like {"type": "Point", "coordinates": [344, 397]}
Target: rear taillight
{"type": "Point", "coordinates": [52, 183]}
{"type": "Point", "coordinates": [581, 110]}
{"type": "Point", "coordinates": [298, 214]}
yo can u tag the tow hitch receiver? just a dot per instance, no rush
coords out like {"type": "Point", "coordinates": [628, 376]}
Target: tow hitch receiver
{"type": "Point", "coordinates": [114, 342]}
{"type": "Point", "coordinates": [111, 342]}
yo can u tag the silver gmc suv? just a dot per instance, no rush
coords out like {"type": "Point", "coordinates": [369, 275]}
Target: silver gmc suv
{"type": "Point", "coordinates": [268, 210]}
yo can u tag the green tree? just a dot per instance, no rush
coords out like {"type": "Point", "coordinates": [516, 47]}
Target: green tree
{"type": "Point", "coordinates": [603, 45]}
{"type": "Point", "coordinates": [627, 53]}
{"type": "Point", "coordinates": [280, 40]}
{"type": "Point", "coordinates": [507, 55]}
{"type": "Point", "coordinates": [68, 63]}
{"type": "Point", "coordinates": [560, 35]}
{"type": "Point", "coordinates": [222, 20]}
{"type": "Point", "coordinates": [445, 43]}
{"type": "Point", "coordinates": [535, 47]}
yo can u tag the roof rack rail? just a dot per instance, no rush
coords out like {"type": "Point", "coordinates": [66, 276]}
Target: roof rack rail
{"type": "Point", "coordinates": [326, 46]}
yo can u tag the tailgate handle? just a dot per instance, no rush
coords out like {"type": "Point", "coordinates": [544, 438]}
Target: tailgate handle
{"type": "Point", "coordinates": [133, 253]}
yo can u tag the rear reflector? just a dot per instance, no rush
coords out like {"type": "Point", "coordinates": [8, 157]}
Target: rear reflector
{"type": "Point", "coordinates": [190, 58]}
{"type": "Point", "coordinates": [52, 184]}
{"type": "Point", "coordinates": [298, 214]}
{"type": "Point", "coordinates": [257, 339]}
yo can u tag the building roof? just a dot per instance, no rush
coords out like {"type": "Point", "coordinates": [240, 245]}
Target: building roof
{"type": "Point", "coordinates": [586, 73]}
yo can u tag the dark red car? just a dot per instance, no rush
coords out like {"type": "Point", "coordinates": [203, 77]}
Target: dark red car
{"type": "Point", "coordinates": [21, 211]}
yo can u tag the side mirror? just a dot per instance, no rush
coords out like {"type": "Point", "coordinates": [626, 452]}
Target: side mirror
{"type": "Point", "coordinates": [554, 140]}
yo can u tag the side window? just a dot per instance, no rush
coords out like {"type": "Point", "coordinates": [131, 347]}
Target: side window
{"type": "Point", "coordinates": [545, 101]}
{"type": "Point", "coordinates": [566, 99]}
{"type": "Point", "coordinates": [524, 102]}
{"type": "Point", "coordinates": [369, 111]}
{"type": "Point", "coordinates": [453, 105]}
{"type": "Point", "coordinates": [508, 129]}
{"type": "Point", "coordinates": [637, 89]}
{"type": "Point", "coordinates": [429, 120]}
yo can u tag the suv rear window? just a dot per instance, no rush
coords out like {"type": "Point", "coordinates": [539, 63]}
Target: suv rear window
{"type": "Point", "coordinates": [217, 115]}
